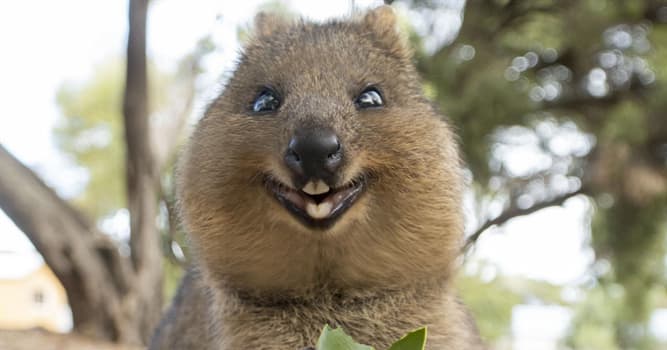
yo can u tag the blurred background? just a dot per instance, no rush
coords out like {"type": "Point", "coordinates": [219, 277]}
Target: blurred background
{"type": "Point", "coordinates": [561, 106]}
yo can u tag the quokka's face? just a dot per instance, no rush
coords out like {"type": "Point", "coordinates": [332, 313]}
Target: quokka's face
{"type": "Point", "coordinates": [327, 98]}
{"type": "Point", "coordinates": [322, 129]}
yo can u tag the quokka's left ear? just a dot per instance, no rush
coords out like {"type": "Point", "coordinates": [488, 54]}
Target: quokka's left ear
{"type": "Point", "coordinates": [383, 24]}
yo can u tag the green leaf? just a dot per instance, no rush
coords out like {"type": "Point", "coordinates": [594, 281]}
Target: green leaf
{"type": "Point", "coordinates": [415, 340]}
{"type": "Point", "coordinates": [336, 339]}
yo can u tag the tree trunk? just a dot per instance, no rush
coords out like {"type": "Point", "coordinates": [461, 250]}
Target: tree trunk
{"type": "Point", "coordinates": [142, 177]}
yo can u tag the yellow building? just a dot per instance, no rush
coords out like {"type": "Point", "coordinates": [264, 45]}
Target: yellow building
{"type": "Point", "coordinates": [32, 298]}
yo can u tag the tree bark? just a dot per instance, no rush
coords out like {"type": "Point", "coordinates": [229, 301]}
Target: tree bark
{"type": "Point", "coordinates": [142, 177]}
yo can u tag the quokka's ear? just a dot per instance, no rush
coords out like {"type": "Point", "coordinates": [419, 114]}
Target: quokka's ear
{"type": "Point", "coordinates": [268, 23]}
{"type": "Point", "coordinates": [382, 22]}
{"type": "Point", "coordinates": [381, 18]}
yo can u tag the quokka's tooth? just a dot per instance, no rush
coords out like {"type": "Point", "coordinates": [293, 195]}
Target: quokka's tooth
{"type": "Point", "coordinates": [315, 187]}
{"type": "Point", "coordinates": [319, 211]}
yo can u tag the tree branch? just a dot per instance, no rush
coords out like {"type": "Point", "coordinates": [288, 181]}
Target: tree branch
{"type": "Point", "coordinates": [514, 211]}
{"type": "Point", "coordinates": [84, 260]}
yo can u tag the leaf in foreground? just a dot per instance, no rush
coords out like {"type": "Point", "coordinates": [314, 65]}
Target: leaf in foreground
{"type": "Point", "coordinates": [415, 340]}
{"type": "Point", "coordinates": [336, 339]}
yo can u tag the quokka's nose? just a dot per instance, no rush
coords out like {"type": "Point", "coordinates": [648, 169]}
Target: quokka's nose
{"type": "Point", "coordinates": [314, 154]}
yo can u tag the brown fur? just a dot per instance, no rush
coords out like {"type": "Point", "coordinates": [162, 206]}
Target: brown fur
{"type": "Point", "coordinates": [269, 282]}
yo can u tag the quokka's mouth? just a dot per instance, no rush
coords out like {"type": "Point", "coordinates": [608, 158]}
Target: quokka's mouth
{"type": "Point", "coordinates": [316, 205]}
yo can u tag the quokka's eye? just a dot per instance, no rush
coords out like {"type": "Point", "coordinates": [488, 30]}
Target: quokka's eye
{"type": "Point", "coordinates": [266, 101]}
{"type": "Point", "coordinates": [369, 98]}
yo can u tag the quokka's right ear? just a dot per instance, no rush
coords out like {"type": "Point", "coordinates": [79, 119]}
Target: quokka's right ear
{"type": "Point", "coordinates": [268, 23]}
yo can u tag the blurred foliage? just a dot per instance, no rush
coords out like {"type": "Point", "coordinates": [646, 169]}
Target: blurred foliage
{"type": "Point", "coordinates": [518, 75]}
{"type": "Point", "coordinates": [491, 297]}
{"type": "Point", "coordinates": [490, 303]}
{"type": "Point", "coordinates": [90, 130]}
{"type": "Point", "coordinates": [594, 320]}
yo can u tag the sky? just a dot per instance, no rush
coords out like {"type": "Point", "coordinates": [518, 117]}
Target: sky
{"type": "Point", "coordinates": [67, 39]}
